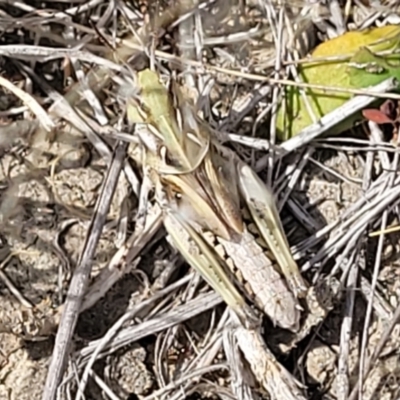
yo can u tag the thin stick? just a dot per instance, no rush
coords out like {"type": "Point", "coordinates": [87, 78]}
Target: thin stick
{"type": "Point", "coordinates": [307, 135]}
{"type": "Point", "coordinates": [81, 276]}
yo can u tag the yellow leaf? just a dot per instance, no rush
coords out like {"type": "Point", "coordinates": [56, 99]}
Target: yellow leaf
{"type": "Point", "coordinates": [356, 55]}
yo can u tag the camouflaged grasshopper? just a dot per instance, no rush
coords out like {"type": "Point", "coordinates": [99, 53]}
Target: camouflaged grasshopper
{"type": "Point", "coordinates": [201, 186]}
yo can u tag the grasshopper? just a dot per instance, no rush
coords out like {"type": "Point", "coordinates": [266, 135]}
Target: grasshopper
{"type": "Point", "coordinates": [201, 186]}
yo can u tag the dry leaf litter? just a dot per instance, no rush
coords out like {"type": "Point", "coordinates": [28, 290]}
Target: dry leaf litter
{"type": "Point", "coordinates": [49, 184]}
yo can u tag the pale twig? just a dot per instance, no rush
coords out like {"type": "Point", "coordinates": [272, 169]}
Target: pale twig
{"type": "Point", "coordinates": [208, 353]}
{"type": "Point", "coordinates": [179, 61]}
{"type": "Point", "coordinates": [165, 342]}
{"type": "Point", "coordinates": [27, 52]}
{"type": "Point", "coordinates": [279, 383]}
{"type": "Point", "coordinates": [370, 361]}
{"type": "Point", "coordinates": [337, 17]}
{"type": "Point", "coordinates": [378, 137]}
{"type": "Point", "coordinates": [381, 307]}
{"type": "Point", "coordinates": [224, 40]}
{"type": "Point", "coordinates": [301, 214]}
{"type": "Point", "coordinates": [345, 335]}
{"type": "Point", "coordinates": [88, 94]}
{"type": "Point", "coordinates": [103, 386]}
{"type": "Point", "coordinates": [357, 229]}
{"type": "Point", "coordinates": [80, 279]}
{"type": "Point", "coordinates": [353, 226]}
{"type": "Point", "coordinates": [123, 220]}
{"type": "Point", "coordinates": [240, 387]}
{"type": "Point", "coordinates": [122, 262]}
{"type": "Point", "coordinates": [158, 323]}
{"type": "Point", "coordinates": [65, 267]}
{"type": "Point", "coordinates": [307, 135]}
{"type": "Point", "coordinates": [172, 333]}
{"type": "Point", "coordinates": [106, 339]}
{"type": "Point", "coordinates": [31, 103]}
{"type": "Point", "coordinates": [295, 176]}
{"type": "Point", "coordinates": [64, 110]}
{"type": "Point", "coordinates": [352, 181]}
{"type": "Point", "coordinates": [277, 34]}
{"type": "Point", "coordinates": [9, 284]}
{"type": "Point", "coordinates": [83, 8]}
{"type": "Point", "coordinates": [368, 167]}
{"type": "Point", "coordinates": [213, 345]}
{"type": "Point", "coordinates": [371, 17]}
{"type": "Point", "coordinates": [375, 279]}
{"type": "Point", "coordinates": [239, 111]}
{"type": "Point", "coordinates": [373, 147]}
{"type": "Point", "coordinates": [291, 68]}
{"type": "Point", "coordinates": [112, 333]}
{"type": "Point", "coordinates": [188, 377]}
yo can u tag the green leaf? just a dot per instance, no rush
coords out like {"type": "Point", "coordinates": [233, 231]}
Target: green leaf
{"type": "Point", "coordinates": [368, 69]}
{"type": "Point", "coordinates": [356, 65]}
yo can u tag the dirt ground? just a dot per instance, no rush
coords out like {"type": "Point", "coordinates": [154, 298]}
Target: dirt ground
{"type": "Point", "coordinates": [34, 271]}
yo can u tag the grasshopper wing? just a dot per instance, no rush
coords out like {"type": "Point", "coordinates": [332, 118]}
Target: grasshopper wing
{"type": "Point", "coordinates": [224, 194]}
{"type": "Point", "coordinates": [261, 204]}
{"type": "Point", "coordinates": [194, 205]}
{"type": "Point", "coordinates": [199, 256]}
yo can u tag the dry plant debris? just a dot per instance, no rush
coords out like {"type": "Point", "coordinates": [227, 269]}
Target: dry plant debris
{"type": "Point", "coordinates": [148, 326]}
